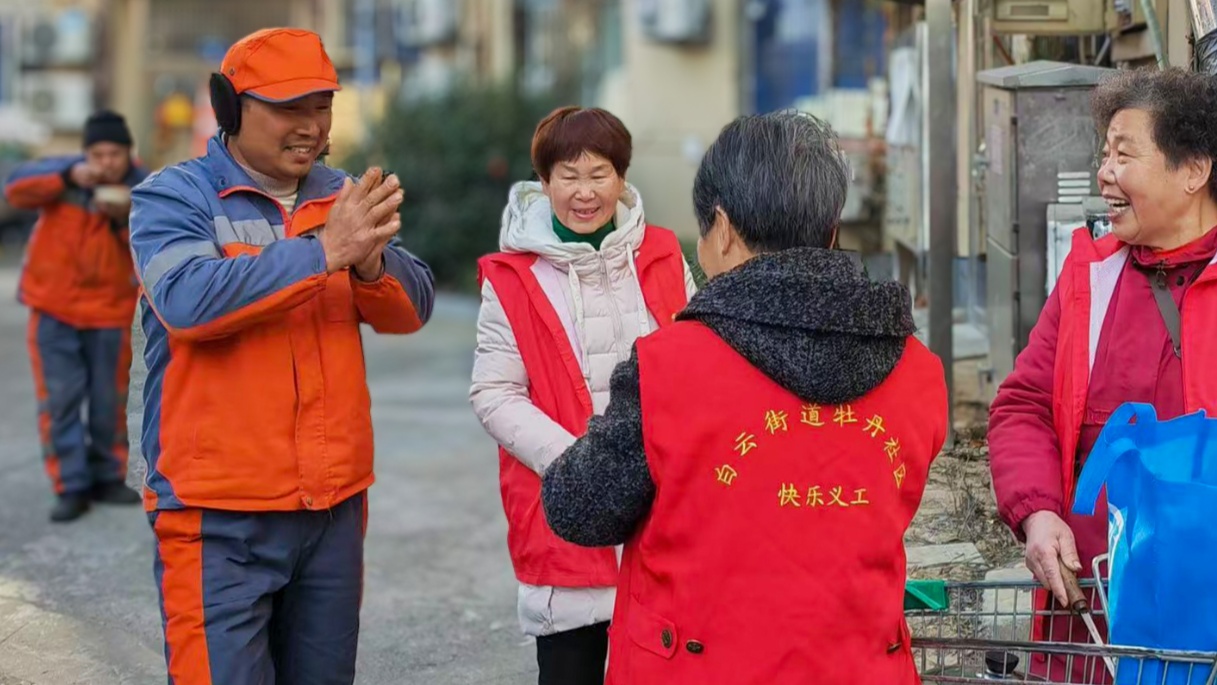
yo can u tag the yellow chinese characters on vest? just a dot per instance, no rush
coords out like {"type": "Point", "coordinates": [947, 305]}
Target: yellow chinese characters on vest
{"type": "Point", "coordinates": [777, 423]}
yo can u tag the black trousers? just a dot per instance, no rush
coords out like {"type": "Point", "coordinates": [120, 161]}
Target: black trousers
{"type": "Point", "coordinates": [573, 657]}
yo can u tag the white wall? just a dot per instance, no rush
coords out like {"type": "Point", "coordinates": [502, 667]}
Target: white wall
{"type": "Point", "coordinates": [671, 98]}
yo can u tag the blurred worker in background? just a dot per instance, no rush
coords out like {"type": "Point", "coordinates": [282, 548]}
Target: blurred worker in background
{"type": "Point", "coordinates": [79, 283]}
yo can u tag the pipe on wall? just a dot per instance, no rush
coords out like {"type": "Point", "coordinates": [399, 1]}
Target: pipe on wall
{"type": "Point", "coordinates": [1204, 27]}
{"type": "Point", "coordinates": [1155, 32]}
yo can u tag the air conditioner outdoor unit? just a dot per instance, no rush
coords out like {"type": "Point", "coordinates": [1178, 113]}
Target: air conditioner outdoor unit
{"type": "Point", "coordinates": [676, 21]}
{"type": "Point", "coordinates": [62, 100]}
{"type": "Point", "coordinates": [61, 39]}
{"type": "Point", "coordinates": [431, 22]}
{"type": "Point", "coordinates": [1050, 17]}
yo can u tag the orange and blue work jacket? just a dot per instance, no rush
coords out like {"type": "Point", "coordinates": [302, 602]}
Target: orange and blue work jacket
{"type": "Point", "coordinates": [256, 397]}
{"type": "Point", "coordinates": [77, 264]}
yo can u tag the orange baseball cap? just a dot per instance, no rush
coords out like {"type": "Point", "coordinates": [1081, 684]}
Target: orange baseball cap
{"type": "Point", "coordinates": [278, 65]}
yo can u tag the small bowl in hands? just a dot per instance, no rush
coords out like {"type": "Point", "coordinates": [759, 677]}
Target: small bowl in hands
{"type": "Point", "coordinates": [112, 194]}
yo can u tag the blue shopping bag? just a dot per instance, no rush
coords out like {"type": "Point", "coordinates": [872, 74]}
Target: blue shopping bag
{"type": "Point", "coordinates": [1161, 479]}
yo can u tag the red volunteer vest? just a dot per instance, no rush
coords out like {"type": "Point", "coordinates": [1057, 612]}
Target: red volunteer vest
{"type": "Point", "coordinates": [1071, 372]}
{"type": "Point", "coordinates": [556, 387]}
{"type": "Point", "coordinates": [773, 552]}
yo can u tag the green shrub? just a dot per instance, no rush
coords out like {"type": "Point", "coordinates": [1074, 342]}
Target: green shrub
{"type": "Point", "coordinates": [689, 247]}
{"type": "Point", "coordinates": [457, 157]}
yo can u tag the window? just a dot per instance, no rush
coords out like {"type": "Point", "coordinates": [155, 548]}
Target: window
{"type": "Point", "coordinates": [198, 28]}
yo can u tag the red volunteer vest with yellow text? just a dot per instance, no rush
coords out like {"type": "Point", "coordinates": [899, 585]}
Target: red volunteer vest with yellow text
{"type": "Point", "coordinates": [557, 387]}
{"type": "Point", "coordinates": [773, 552]}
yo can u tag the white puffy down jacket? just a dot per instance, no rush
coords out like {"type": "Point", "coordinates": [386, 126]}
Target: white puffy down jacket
{"type": "Point", "coordinates": [599, 301]}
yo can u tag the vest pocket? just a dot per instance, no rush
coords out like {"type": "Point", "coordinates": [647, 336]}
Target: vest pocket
{"type": "Point", "coordinates": [651, 631]}
{"type": "Point", "coordinates": [903, 642]}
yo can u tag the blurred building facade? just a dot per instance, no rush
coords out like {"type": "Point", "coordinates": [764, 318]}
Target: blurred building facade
{"type": "Point", "coordinates": [47, 71]}
{"type": "Point", "coordinates": [674, 70]}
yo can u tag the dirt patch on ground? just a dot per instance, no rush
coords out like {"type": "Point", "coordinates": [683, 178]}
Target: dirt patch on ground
{"type": "Point", "coordinates": [959, 507]}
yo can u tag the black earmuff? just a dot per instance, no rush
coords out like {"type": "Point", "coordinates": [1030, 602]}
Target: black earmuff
{"type": "Point", "coordinates": [226, 103]}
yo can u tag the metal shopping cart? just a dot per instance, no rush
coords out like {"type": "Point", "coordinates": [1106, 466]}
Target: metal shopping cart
{"type": "Point", "coordinates": [980, 632]}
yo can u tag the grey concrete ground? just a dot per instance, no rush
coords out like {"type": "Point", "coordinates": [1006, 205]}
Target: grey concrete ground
{"type": "Point", "coordinates": [78, 605]}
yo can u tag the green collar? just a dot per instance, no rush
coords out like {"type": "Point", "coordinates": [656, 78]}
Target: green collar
{"type": "Point", "coordinates": [594, 239]}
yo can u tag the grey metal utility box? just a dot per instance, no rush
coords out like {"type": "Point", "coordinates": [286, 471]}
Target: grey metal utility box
{"type": "Point", "coordinates": [1038, 125]}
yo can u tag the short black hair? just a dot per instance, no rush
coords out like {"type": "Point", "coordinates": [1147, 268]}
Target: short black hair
{"type": "Point", "coordinates": [780, 178]}
{"type": "Point", "coordinates": [1181, 104]}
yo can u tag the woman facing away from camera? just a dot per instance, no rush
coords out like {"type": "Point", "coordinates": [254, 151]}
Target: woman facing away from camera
{"type": "Point", "coordinates": [580, 276]}
{"type": "Point", "coordinates": [762, 457]}
{"type": "Point", "coordinates": [1133, 319]}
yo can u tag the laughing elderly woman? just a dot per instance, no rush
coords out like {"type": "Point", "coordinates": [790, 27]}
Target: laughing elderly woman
{"type": "Point", "coordinates": [1148, 293]}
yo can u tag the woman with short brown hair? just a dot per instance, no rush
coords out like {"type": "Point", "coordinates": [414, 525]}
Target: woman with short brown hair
{"type": "Point", "coordinates": [580, 276]}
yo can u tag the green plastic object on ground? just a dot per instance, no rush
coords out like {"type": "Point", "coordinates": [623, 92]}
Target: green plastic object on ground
{"type": "Point", "coordinates": [925, 595]}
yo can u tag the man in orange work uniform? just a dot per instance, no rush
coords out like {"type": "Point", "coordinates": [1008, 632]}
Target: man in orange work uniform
{"type": "Point", "coordinates": [258, 265]}
{"type": "Point", "coordinates": [80, 287]}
